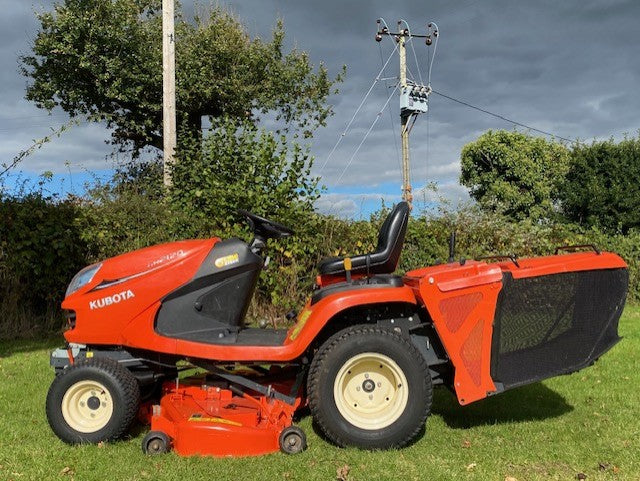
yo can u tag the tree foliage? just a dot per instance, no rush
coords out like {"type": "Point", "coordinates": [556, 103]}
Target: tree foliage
{"type": "Point", "coordinates": [602, 186]}
{"type": "Point", "coordinates": [514, 173]}
{"type": "Point", "coordinates": [102, 59]}
{"type": "Point", "coordinates": [238, 165]}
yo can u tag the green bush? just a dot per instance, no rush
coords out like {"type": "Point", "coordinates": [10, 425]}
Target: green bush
{"type": "Point", "coordinates": [602, 186]}
{"type": "Point", "coordinates": [126, 213]}
{"type": "Point", "coordinates": [514, 173]}
{"type": "Point", "coordinates": [41, 248]}
{"type": "Point", "coordinates": [45, 242]}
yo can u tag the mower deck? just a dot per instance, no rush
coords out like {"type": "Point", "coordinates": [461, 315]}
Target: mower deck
{"type": "Point", "coordinates": [196, 418]}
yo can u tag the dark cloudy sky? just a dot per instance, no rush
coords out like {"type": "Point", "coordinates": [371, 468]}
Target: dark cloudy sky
{"type": "Point", "coordinates": [567, 67]}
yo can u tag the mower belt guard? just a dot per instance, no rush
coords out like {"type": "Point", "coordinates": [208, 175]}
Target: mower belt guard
{"type": "Point", "coordinates": [212, 421]}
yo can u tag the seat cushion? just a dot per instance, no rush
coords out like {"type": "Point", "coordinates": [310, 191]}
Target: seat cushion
{"type": "Point", "coordinates": [335, 265]}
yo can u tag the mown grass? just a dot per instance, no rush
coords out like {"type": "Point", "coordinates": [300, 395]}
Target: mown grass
{"type": "Point", "coordinates": [588, 423]}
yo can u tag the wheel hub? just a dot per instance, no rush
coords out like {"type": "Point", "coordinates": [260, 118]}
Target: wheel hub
{"type": "Point", "coordinates": [368, 385]}
{"type": "Point", "coordinates": [155, 446]}
{"type": "Point", "coordinates": [370, 391]}
{"type": "Point", "coordinates": [87, 406]}
{"type": "Point", "coordinates": [93, 403]}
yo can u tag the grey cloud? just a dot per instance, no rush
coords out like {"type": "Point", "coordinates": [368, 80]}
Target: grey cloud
{"type": "Point", "coordinates": [568, 67]}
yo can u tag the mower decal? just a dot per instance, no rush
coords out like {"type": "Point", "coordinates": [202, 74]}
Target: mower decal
{"type": "Point", "coordinates": [110, 300]}
{"type": "Point", "coordinates": [168, 257]}
{"type": "Point", "coordinates": [302, 320]}
{"type": "Point", "coordinates": [198, 418]}
{"type": "Point", "coordinates": [227, 260]}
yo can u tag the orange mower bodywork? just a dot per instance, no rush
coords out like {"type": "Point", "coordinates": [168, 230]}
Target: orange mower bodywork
{"type": "Point", "coordinates": [364, 352]}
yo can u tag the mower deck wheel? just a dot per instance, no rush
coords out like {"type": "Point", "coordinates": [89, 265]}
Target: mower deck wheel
{"type": "Point", "coordinates": [92, 401]}
{"type": "Point", "coordinates": [155, 442]}
{"type": "Point", "coordinates": [292, 440]}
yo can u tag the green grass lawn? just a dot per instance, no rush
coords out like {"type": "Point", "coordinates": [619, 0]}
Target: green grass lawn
{"type": "Point", "coordinates": [588, 423]}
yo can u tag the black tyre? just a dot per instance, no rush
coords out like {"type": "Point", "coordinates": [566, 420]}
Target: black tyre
{"type": "Point", "coordinates": [92, 401]}
{"type": "Point", "coordinates": [292, 440]}
{"type": "Point", "coordinates": [155, 442]}
{"type": "Point", "coordinates": [369, 387]}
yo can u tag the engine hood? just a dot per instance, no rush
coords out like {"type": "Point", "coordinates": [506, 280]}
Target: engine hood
{"type": "Point", "coordinates": [138, 263]}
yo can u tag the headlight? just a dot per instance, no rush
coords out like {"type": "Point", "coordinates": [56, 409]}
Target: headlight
{"type": "Point", "coordinates": [82, 278]}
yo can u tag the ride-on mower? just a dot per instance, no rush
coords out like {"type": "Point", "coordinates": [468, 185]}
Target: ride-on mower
{"type": "Point", "coordinates": [364, 354]}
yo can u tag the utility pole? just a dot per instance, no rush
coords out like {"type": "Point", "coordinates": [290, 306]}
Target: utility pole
{"type": "Point", "coordinates": [168, 88]}
{"type": "Point", "coordinates": [407, 195]}
{"type": "Point", "coordinates": [413, 97]}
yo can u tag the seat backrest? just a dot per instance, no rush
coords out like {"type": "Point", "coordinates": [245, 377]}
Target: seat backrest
{"type": "Point", "coordinates": [391, 236]}
{"type": "Point", "coordinates": [384, 259]}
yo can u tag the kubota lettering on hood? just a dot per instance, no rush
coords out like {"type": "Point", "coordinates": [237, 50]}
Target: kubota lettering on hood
{"type": "Point", "coordinates": [109, 300]}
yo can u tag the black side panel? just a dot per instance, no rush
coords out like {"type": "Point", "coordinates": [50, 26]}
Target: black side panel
{"type": "Point", "coordinates": [556, 324]}
{"type": "Point", "coordinates": [211, 307]}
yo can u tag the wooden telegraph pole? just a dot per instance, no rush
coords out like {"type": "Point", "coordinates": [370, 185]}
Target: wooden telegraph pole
{"type": "Point", "coordinates": [168, 88]}
{"type": "Point", "coordinates": [404, 124]}
{"type": "Point", "coordinates": [414, 97]}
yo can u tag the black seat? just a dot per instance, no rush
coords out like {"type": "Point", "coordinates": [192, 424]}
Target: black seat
{"type": "Point", "coordinates": [384, 259]}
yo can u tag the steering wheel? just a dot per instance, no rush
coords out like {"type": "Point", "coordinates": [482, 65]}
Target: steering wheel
{"type": "Point", "coordinates": [265, 228]}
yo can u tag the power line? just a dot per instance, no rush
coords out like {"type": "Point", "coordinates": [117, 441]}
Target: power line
{"type": "Point", "coordinates": [368, 132]}
{"type": "Point", "coordinates": [364, 99]}
{"type": "Point", "coordinates": [502, 117]}
{"type": "Point", "coordinates": [433, 28]}
{"type": "Point", "coordinates": [393, 126]}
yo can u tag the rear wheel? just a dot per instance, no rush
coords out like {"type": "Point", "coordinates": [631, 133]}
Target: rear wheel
{"type": "Point", "coordinates": [369, 387]}
{"type": "Point", "coordinates": [92, 401]}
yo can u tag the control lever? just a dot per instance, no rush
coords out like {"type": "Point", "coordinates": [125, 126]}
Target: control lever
{"type": "Point", "coordinates": [347, 268]}
{"type": "Point", "coordinates": [452, 247]}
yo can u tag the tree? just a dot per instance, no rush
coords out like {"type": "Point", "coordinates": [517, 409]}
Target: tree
{"type": "Point", "coordinates": [238, 165]}
{"type": "Point", "coordinates": [102, 59]}
{"type": "Point", "coordinates": [602, 186]}
{"type": "Point", "coordinates": [514, 173]}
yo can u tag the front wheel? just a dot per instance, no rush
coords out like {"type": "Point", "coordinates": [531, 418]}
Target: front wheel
{"type": "Point", "coordinates": [92, 401]}
{"type": "Point", "coordinates": [369, 387]}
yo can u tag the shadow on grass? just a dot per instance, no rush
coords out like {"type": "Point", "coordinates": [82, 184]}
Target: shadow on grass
{"type": "Point", "coordinates": [10, 347]}
{"type": "Point", "coordinates": [534, 402]}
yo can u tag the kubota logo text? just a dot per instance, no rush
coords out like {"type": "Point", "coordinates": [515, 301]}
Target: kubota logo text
{"type": "Point", "coordinates": [109, 300]}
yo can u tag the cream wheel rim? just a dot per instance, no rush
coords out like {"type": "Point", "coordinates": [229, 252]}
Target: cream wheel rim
{"type": "Point", "coordinates": [371, 391]}
{"type": "Point", "coordinates": [87, 406]}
